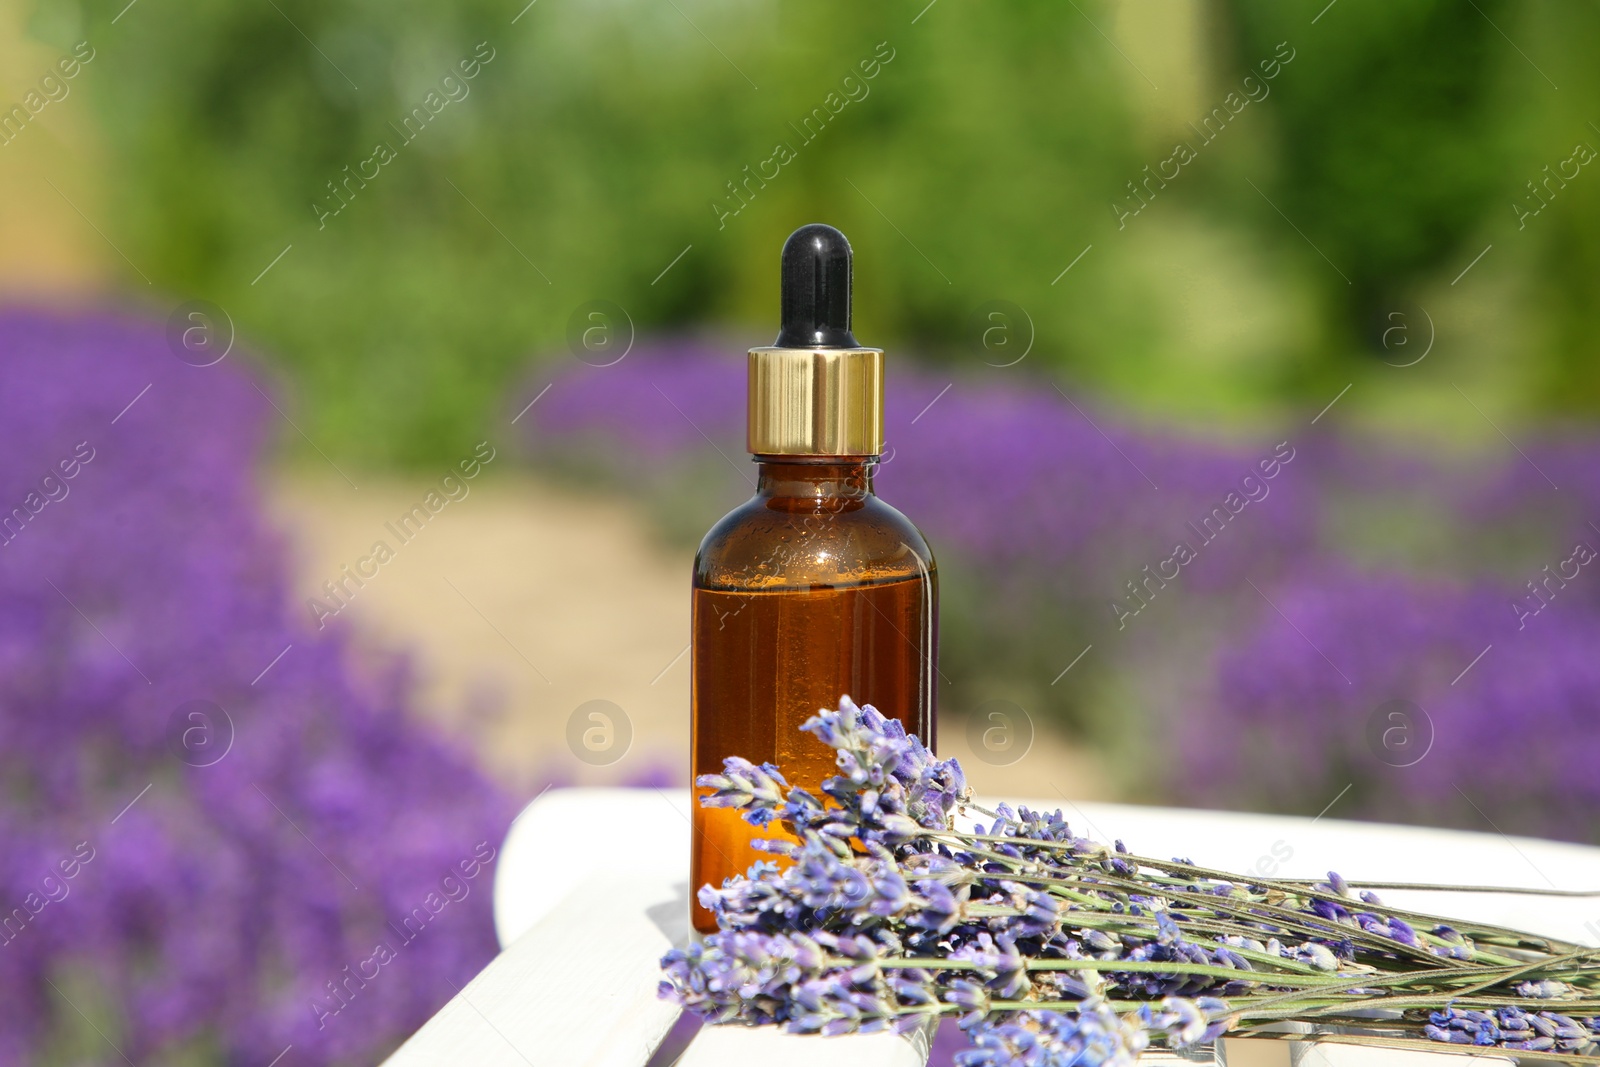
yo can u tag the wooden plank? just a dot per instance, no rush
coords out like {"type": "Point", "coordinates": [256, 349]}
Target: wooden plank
{"type": "Point", "coordinates": [1272, 1052]}
{"type": "Point", "coordinates": [578, 989]}
{"type": "Point", "coordinates": [733, 1046]}
{"type": "Point", "coordinates": [565, 837]}
{"type": "Point", "coordinates": [1330, 1054]}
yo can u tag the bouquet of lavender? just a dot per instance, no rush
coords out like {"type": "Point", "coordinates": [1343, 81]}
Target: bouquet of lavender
{"type": "Point", "coordinates": [894, 907]}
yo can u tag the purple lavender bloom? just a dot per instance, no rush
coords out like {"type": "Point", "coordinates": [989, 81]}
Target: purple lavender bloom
{"type": "Point", "coordinates": [1284, 690]}
{"type": "Point", "coordinates": [1546, 989]}
{"type": "Point", "coordinates": [967, 995]}
{"type": "Point", "coordinates": [786, 978]}
{"type": "Point", "coordinates": [941, 907]}
{"type": "Point", "coordinates": [742, 784]}
{"type": "Point", "coordinates": [1513, 1028]}
{"type": "Point", "coordinates": [1093, 1037]}
{"type": "Point", "coordinates": [998, 955]}
{"type": "Point", "coordinates": [1040, 912]}
{"type": "Point", "coordinates": [1191, 1022]}
{"type": "Point", "coordinates": [1402, 931]}
{"type": "Point", "coordinates": [139, 574]}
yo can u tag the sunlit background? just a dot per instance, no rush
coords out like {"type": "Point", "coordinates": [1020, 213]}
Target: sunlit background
{"type": "Point", "coordinates": [1243, 376]}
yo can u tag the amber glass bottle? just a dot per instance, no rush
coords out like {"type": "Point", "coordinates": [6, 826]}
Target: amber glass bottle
{"type": "Point", "coordinates": [814, 589]}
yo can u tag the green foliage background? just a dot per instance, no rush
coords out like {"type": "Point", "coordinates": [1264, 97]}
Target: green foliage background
{"type": "Point", "coordinates": [592, 147]}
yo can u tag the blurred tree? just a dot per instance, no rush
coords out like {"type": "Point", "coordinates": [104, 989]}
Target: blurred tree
{"type": "Point", "coordinates": [1565, 264]}
{"type": "Point", "coordinates": [620, 152]}
{"type": "Point", "coordinates": [1387, 150]}
{"type": "Point", "coordinates": [656, 156]}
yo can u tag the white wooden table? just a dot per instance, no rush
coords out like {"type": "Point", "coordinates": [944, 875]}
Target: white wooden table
{"type": "Point", "coordinates": [592, 888]}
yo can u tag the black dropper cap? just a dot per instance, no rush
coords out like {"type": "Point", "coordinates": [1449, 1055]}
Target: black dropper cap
{"type": "Point", "coordinates": [816, 290]}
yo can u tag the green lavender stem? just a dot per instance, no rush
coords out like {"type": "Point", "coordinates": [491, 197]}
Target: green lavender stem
{"type": "Point", "coordinates": [1287, 918]}
{"type": "Point", "coordinates": [1294, 888]}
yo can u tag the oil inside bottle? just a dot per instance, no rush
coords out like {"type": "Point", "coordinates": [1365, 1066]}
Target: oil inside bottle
{"type": "Point", "coordinates": [767, 660]}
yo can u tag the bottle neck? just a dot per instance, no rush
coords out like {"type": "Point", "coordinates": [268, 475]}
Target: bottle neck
{"type": "Point", "coordinates": [815, 478]}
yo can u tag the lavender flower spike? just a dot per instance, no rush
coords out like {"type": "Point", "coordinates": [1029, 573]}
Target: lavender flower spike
{"type": "Point", "coordinates": [875, 755]}
{"type": "Point", "coordinates": [1094, 1036]}
{"type": "Point", "coordinates": [742, 784]}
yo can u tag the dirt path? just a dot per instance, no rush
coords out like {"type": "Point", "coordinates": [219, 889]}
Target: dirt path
{"type": "Point", "coordinates": [49, 173]}
{"type": "Point", "coordinates": [522, 601]}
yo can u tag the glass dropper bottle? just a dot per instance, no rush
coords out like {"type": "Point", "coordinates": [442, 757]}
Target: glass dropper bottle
{"type": "Point", "coordinates": [814, 589]}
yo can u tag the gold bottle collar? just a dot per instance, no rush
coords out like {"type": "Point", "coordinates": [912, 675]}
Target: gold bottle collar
{"type": "Point", "coordinates": [816, 402]}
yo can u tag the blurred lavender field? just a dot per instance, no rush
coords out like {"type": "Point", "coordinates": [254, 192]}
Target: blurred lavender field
{"type": "Point", "coordinates": [224, 834]}
{"type": "Point", "coordinates": [219, 836]}
{"type": "Point", "coordinates": [1279, 623]}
